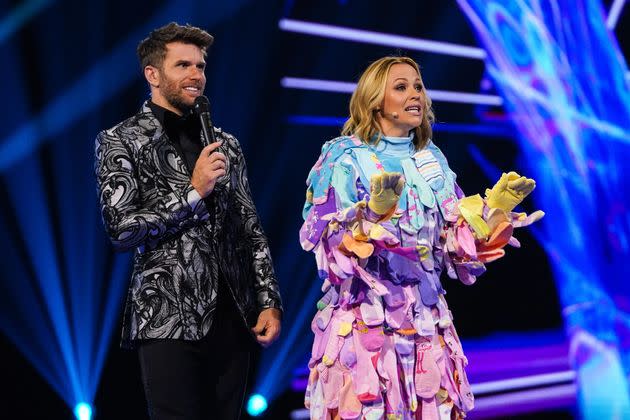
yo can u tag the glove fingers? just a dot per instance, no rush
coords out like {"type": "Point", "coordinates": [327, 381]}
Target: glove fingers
{"type": "Point", "coordinates": [516, 184]}
{"type": "Point", "coordinates": [537, 215]}
{"type": "Point", "coordinates": [376, 184]}
{"type": "Point", "coordinates": [522, 190]}
{"type": "Point", "coordinates": [386, 180]}
{"type": "Point", "coordinates": [399, 186]}
{"type": "Point", "coordinates": [523, 184]}
{"type": "Point", "coordinates": [391, 179]}
{"type": "Point", "coordinates": [489, 256]}
{"type": "Point", "coordinates": [502, 182]}
{"type": "Point", "coordinates": [529, 186]}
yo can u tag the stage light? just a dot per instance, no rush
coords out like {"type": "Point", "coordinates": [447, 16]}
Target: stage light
{"type": "Point", "coordinates": [613, 15]}
{"type": "Point", "coordinates": [62, 312]}
{"type": "Point", "coordinates": [464, 97]}
{"type": "Point", "coordinates": [347, 87]}
{"type": "Point", "coordinates": [378, 38]}
{"type": "Point", "coordinates": [105, 79]}
{"type": "Point", "coordinates": [523, 382]}
{"type": "Point", "coordinates": [256, 405]}
{"type": "Point", "coordinates": [21, 14]}
{"type": "Point", "coordinates": [83, 411]}
{"type": "Point", "coordinates": [317, 84]}
{"type": "Point", "coordinates": [525, 401]}
{"type": "Point", "coordinates": [574, 142]}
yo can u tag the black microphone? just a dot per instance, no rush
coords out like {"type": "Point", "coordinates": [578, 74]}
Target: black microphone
{"type": "Point", "coordinates": [202, 109]}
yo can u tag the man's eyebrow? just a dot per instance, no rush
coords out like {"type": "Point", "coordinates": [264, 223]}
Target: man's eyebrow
{"type": "Point", "coordinates": [182, 61]}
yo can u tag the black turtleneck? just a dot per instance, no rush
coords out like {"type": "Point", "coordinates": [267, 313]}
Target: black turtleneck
{"type": "Point", "coordinates": [183, 131]}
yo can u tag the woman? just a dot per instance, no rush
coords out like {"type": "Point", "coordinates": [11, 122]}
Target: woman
{"type": "Point", "coordinates": [384, 218]}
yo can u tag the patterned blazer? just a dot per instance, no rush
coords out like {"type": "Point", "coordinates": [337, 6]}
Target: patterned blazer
{"type": "Point", "coordinates": [184, 244]}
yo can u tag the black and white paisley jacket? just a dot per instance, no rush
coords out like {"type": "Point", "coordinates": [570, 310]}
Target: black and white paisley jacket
{"type": "Point", "coordinates": [184, 245]}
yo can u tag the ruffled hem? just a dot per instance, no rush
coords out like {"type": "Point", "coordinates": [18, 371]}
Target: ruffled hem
{"type": "Point", "coordinates": [374, 372]}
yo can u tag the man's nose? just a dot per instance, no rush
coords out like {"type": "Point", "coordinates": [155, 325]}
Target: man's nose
{"type": "Point", "coordinates": [196, 73]}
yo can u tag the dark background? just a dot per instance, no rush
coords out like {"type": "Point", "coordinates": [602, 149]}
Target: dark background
{"type": "Point", "coordinates": [48, 54]}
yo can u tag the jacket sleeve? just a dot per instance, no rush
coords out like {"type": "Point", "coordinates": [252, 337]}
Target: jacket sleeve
{"type": "Point", "coordinates": [129, 220]}
{"type": "Point", "coordinates": [264, 283]}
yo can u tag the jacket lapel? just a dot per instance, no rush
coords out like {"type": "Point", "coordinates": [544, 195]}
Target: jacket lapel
{"type": "Point", "coordinates": [167, 160]}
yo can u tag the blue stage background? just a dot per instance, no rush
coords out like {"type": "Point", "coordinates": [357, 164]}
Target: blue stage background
{"type": "Point", "coordinates": [70, 70]}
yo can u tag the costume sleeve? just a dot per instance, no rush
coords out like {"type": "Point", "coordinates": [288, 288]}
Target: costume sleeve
{"type": "Point", "coordinates": [475, 234]}
{"type": "Point", "coordinates": [265, 284]}
{"type": "Point", "coordinates": [340, 229]}
{"type": "Point", "coordinates": [128, 222]}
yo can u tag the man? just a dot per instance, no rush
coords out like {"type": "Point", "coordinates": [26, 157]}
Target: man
{"type": "Point", "coordinates": [202, 269]}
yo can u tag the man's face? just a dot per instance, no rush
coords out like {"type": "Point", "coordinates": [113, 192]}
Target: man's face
{"type": "Point", "coordinates": [181, 78]}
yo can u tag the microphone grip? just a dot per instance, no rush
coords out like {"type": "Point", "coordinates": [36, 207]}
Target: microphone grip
{"type": "Point", "coordinates": [206, 128]}
{"type": "Point", "coordinates": [208, 137]}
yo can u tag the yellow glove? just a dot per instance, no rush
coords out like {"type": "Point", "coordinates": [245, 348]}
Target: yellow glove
{"type": "Point", "coordinates": [385, 191]}
{"type": "Point", "coordinates": [509, 191]}
{"type": "Point", "coordinates": [471, 209]}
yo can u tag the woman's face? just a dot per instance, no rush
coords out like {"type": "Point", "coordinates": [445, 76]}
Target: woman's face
{"type": "Point", "coordinates": [403, 102]}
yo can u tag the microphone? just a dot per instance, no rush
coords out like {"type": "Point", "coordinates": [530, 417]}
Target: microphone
{"type": "Point", "coordinates": [202, 109]}
{"type": "Point", "coordinates": [394, 115]}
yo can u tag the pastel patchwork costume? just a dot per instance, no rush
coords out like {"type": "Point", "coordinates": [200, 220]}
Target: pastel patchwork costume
{"type": "Point", "coordinates": [385, 345]}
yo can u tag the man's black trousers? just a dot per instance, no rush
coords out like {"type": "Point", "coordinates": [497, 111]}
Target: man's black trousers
{"type": "Point", "coordinates": [199, 380]}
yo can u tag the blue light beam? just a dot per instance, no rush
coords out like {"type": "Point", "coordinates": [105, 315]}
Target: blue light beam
{"type": "Point", "coordinates": [19, 16]}
{"type": "Point", "coordinates": [62, 288]}
{"type": "Point", "coordinates": [574, 140]}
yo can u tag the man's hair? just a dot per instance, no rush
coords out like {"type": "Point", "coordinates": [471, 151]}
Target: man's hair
{"type": "Point", "coordinates": [152, 50]}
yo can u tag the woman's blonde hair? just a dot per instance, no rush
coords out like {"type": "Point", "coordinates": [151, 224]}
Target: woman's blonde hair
{"type": "Point", "coordinates": [367, 100]}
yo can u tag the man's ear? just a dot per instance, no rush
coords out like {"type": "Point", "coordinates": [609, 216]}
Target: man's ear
{"type": "Point", "coordinates": [152, 74]}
